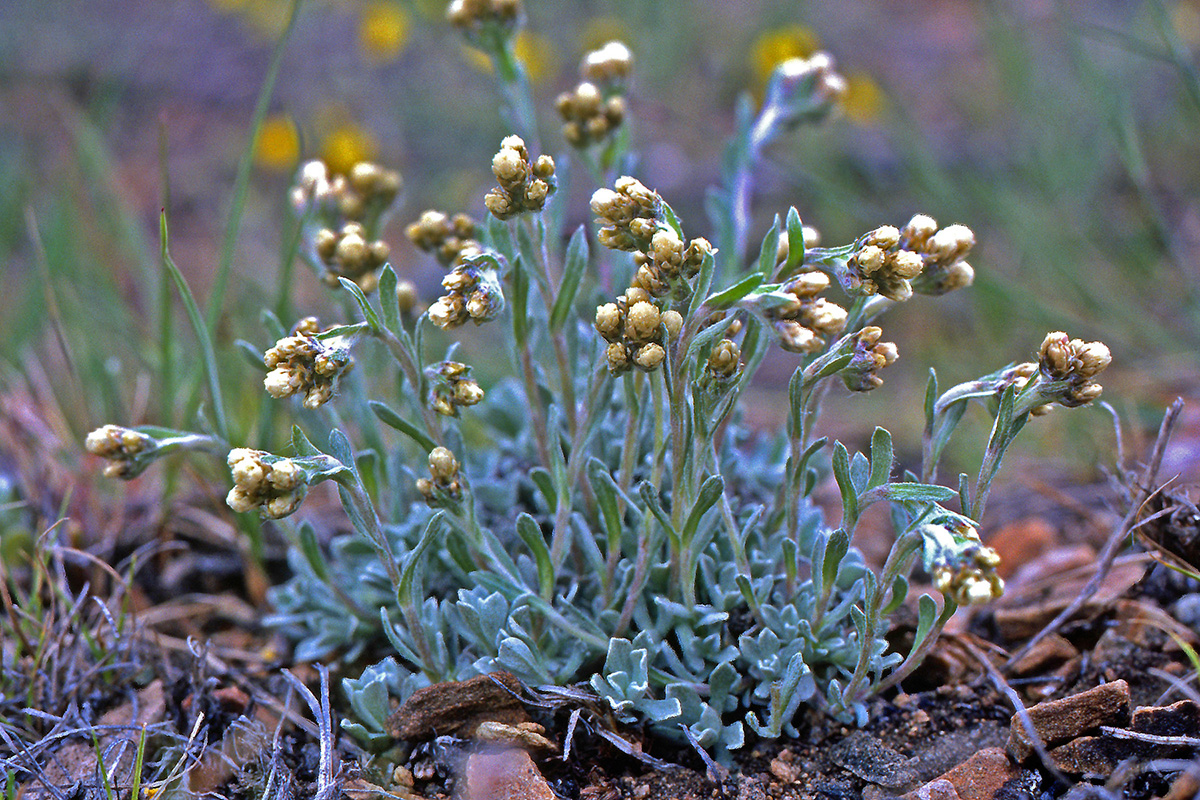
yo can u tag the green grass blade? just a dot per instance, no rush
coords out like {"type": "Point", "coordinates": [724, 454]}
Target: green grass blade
{"type": "Point", "coordinates": [209, 360]}
{"type": "Point", "coordinates": [241, 184]}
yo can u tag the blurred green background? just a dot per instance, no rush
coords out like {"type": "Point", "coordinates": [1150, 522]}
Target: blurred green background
{"type": "Point", "coordinates": [1066, 134]}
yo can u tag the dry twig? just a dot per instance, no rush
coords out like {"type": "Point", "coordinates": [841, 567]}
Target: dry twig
{"type": "Point", "coordinates": [1109, 553]}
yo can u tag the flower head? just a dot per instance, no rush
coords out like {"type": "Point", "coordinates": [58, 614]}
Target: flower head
{"type": "Point", "coordinates": [524, 185]}
{"type": "Point", "coordinates": [869, 356]}
{"type": "Point", "coordinates": [274, 485]}
{"type": "Point", "coordinates": [350, 253]}
{"type": "Point", "coordinates": [126, 450]}
{"type": "Point", "coordinates": [962, 568]}
{"type": "Point", "coordinates": [1068, 367]}
{"type": "Point", "coordinates": [302, 364]}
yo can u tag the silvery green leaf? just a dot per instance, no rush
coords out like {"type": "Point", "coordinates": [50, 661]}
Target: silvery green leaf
{"type": "Point", "coordinates": [881, 458]}
{"type": "Point", "coordinates": [574, 267]}
{"type": "Point", "coordinates": [393, 420]}
{"type": "Point", "coordinates": [769, 250]}
{"type": "Point", "coordinates": [364, 305]}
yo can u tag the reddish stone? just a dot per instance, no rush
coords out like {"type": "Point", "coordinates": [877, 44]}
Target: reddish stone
{"type": "Point", "coordinates": [1058, 721]}
{"type": "Point", "coordinates": [505, 775]}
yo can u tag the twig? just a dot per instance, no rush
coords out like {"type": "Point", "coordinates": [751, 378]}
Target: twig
{"type": "Point", "coordinates": [715, 772]}
{"type": "Point", "coordinates": [1022, 713]}
{"type": "Point", "coordinates": [1116, 538]}
{"type": "Point", "coordinates": [1150, 738]}
{"type": "Point", "coordinates": [327, 788]}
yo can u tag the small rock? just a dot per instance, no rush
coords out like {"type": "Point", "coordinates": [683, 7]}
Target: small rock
{"type": "Point", "coordinates": [1050, 652]}
{"type": "Point", "coordinates": [1180, 719]}
{"type": "Point", "coordinates": [977, 778]}
{"type": "Point", "coordinates": [865, 756]}
{"type": "Point", "coordinates": [1057, 721]}
{"type": "Point", "coordinates": [936, 789]}
{"type": "Point", "coordinates": [505, 775]}
{"type": "Point", "coordinates": [785, 768]}
{"type": "Point", "coordinates": [527, 735]}
{"type": "Point", "coordinates": [1092, 756]}
{"type": "Point", "coordinates": [1021, 542]}
{"type": "Point", "coordinates": [458, 707]}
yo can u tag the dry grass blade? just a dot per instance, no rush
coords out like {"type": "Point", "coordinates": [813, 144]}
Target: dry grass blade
{"type": "Point", "coordinates": [1109, 553]}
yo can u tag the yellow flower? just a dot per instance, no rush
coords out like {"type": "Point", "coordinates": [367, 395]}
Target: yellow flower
{"type": "Point", "coordinates": [864, 100]}
{"type": "Point", "coordinates": [278, 147]}
{"type": "Point", "coordinates": [345, 146]}
{"type": "Point", "coordinates": [777, 45]}
{"type": "Point", "coordinates": [383, 31]}
{"type": "Point", "coordinates": [538, 54]}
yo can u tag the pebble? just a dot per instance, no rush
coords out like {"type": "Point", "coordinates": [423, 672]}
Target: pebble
{"type": "Point", "coordinates": [1058, 721]}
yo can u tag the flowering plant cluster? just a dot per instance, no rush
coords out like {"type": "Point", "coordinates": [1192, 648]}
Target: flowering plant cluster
{"type": "Point", "coordinates": [602, 516]}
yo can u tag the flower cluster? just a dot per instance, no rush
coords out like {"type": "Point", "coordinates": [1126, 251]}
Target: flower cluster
{"type": "Point", "coordinates": [804, 89]}
{"type": "Point", "coordinates": [724, 362]}
{"type": "Point", "coordinates": [260, 480]}
{"type": "Point", "coordinates": [365, 190]}
{"type": "Point", "coordinates": [453, 388]}
{"type": "Point", "coordinates": [449, 239]}
{"type": "Point", "coordinates": [805, 320]}
{"type": "Point", "coordinates": [524, 185]}
{"type": "Point", "coordinates": [667, 265]}
{"type": "Point", "coordinates": [125, 450]}
{"type": "Point", "coordinates": [302, 364]}
{"type": "Point", "coordinates": [629, 213]}
{"type": "Point", "coordinates": [472, 16]}
{"type": "Point", "coordinates": [962, 568]}
{"type": "Point", "coordinates": [1073, 362]}
{"type": "Point", "coordinates": [594, 109]}
{"type": "Point", "coordinates": [636, 330]}
{"type": "Point", "coordinates": [349, 253]}
{"type": "Point", "coordinates": [869, 356]}
{"type": "Point", "coordinates": [472, 293]}
{"type": "Point", "coordinates": [893, 263]}
{"type": "Point", "coordinates": [443, 483]}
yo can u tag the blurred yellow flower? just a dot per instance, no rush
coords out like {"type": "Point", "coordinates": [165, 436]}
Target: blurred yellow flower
{"type": "Point", "coordinates": [278, 147]}
{"type": "Point", "coordinates": [536, 53]}
{"type": "Point", "coordinates": [383, 31]}
{"type": "Point", "coordinates": [599, 31]}
{"type": "Point", "coordinates": [864, 100]}
{"type": "Point", "coordinates": [773, 47]}
{"type": "Point", "coordinates": [345, 146]}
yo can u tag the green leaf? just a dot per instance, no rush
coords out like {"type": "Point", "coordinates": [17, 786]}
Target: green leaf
{"type": "Point", "coordinates": [574, 266]}
{"type": "Point", "coordinates": [604, 488]}
{"type": "Point", "coordinates": [701, 285]}
{"type": "Point", "coordinates": [545, 483]}
{"type": "Point", "coordinates": [912, 493]}
{"type": "Point", "coordinates": [341, 449]}
{"type": "Point", "coordinates": [531, 534]}
{"type": "Point", "coordinates": [251, 355]}
{"type": "Point", "coordinates": [795, 232]}
{"type": "Point", "coordinates": [412, 565]}
{"type": "Point", "coordinates": [672, 219]}
{"type": "Point", "coordinates": [931, 395]}
{"type": "Point", "coordinates": [388, 303]}
{"type": "Point", "coordinates": [769, 250]}
{"type": "Point", "coordinates": [710, 492]}
{"type": "Point", "coordinates": [364, 305]}
{"type": "Point", "coordinates": [650, 497]}
{"type": "Point", "coordinates": [841, 473]}
{"type": "Point", "coordinates": [393, 420]}
{"type": "Point", "coordinates": [964, 492]}
{"type": "Point", "coordinates": [520, 301]}
{"type": "Point", "coordinates": [926, 615]}
{"type": "Point", "coordinates": [730, 296]}
{"type": "Point", "coordinates": [881, 458]}
{"type": "Point", "coordinates": [312, 551]}
{"type": "Point", "coordinates": [301, 444]}
{"type": "Point", "coordinates": [836, 547]}
{"type": "Point", "coordinates": [899, 594]}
